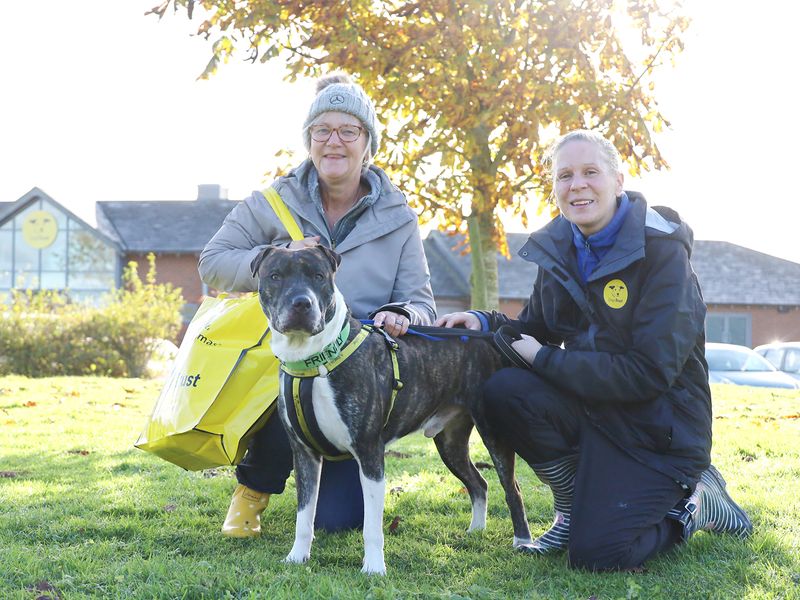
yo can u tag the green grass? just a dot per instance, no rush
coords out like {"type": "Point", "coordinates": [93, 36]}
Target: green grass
{"type": "Point", "coordinates": [83, 514]}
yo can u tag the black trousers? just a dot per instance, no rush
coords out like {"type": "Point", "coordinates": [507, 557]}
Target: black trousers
{"type": "Point", "coordinates": [618, 518]}
{"type": "Point", "coordinates": [268, 463]}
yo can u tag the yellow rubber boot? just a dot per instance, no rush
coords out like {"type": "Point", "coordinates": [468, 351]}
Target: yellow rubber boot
{"type": "Point", "coordinates": [244, 514]}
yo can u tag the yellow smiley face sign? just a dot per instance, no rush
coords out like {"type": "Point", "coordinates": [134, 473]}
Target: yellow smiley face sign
{"type": "Point", "coordinates": [39, 229]}
{"type": "Point", "coordinates": [615, 293]}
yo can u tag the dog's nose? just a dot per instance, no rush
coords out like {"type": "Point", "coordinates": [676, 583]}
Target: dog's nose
{"type": "Point", "coordinates": [301, 302]}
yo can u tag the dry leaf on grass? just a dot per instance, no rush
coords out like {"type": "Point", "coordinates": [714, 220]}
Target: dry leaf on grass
{"type": "Point", "coordinates": [50, 592]}
{"type": "Point", "coordinates": [394, 525]}
{"type": "Point", "coordinates": [396, 454]}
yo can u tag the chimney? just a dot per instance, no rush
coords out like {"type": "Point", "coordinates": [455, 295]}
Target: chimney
{"type": "Point", "coordinates": [211, 191]}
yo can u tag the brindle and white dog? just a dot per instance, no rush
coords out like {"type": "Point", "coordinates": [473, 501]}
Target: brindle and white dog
{"type": "Point", "coordinates": [441, 394]}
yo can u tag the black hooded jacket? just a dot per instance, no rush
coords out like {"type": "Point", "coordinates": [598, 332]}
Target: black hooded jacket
{"type": "Point", "coordinates": [633, 337]}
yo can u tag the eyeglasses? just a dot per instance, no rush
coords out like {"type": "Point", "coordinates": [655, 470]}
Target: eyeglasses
{"type": "Point", "coordinates": [346, 133]}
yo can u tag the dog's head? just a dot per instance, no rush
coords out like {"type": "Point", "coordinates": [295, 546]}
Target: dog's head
{"type": "Point", "coordinates": [296, 287]}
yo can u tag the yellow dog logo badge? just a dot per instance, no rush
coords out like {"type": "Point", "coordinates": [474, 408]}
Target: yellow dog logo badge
{"type": "Point", "coordinates": [615, 293]}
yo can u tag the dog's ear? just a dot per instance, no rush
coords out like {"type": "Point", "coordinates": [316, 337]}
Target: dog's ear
{"type": "Point", "coordinates": [256, 262]}
{"type": "Point", "coordinates": [332, 256]}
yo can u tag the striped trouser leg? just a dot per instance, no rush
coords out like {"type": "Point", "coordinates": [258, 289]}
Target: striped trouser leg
{"type": "Point", "coordinates": [560, 476]}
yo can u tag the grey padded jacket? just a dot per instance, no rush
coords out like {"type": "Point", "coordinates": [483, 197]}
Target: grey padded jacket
{"type": "Point", "coordinates": [383, 261]}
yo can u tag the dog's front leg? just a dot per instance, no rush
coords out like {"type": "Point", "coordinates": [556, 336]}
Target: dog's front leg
{"type": "Point", "coordinates": [307, 469]}
{"type": "Point", "coordinates": [373, 485]}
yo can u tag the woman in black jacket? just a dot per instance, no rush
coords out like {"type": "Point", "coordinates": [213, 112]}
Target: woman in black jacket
{"type": "Point", "coordinates": [614, 412]}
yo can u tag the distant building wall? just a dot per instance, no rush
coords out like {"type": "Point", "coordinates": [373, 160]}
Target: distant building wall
{"type": "Point", "coordinates": [181, 271]}
{"type": "Point", "coordinates": [765, 323]}
{"type": "Point", "coordinates": [178, 269]}
{"type": "Point", "coordinates": [511, 307]}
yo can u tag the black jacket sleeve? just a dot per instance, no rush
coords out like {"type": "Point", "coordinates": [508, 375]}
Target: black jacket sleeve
{"type": "Point", "coordinates": [530, 320]}
{"type": "Point", "coordinates": [666, 323]}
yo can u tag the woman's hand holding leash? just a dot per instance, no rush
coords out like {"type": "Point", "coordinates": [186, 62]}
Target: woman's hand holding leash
{"type": "Point", "coordinates": [393, 323]}
{"type": "Point", "coordinates": [463, 319]}
{"type": "Point", "coordinates": [527, 348]}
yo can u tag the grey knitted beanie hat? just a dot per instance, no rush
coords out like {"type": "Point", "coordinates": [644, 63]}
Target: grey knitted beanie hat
{"type": "Point", "coordinates": [337, 92]}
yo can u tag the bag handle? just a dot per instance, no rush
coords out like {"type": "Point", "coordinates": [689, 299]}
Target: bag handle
{"type": "Point", "coordinates": [280, 208]}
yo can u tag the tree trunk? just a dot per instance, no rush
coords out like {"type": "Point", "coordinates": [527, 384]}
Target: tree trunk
{"type": "Point", "coordinates": [484, 262]}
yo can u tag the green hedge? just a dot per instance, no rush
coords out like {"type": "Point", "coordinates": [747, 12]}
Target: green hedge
{"type": "Point", "coordinates": [43, 334]}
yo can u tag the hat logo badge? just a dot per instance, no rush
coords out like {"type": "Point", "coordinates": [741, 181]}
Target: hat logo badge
{"type": "Point", "coordinates": [337, 99]}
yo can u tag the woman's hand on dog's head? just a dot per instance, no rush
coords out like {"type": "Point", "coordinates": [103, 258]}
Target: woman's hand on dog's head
{"type": "Point", "coordinates": [304, 243]}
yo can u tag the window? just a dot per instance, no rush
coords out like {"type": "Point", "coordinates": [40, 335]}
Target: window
{"type": "Point", "coordinates": [729, 328]}
{"type": "Point", "coordinates": [775, 356]}
{"type": "Point", "coordinates": [791, 363]}
{"type": "Point", "coordinates": [41, 247]}
{"type": "Point", "coordinates": [6, 256]}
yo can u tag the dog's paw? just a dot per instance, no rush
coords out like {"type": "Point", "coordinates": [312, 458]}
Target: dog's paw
{"type": "Point", "coordinates": [528, 549]}
{"type": "Point", "coordinates": [296, 558]}
{"type": "Point", "coordinates": [522, 543]}
{"type": "Point", "coordinates": [374, 568]}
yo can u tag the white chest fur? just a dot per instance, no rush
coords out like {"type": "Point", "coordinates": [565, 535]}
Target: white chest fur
{"type": "Point", "coordinates": [328, 418]}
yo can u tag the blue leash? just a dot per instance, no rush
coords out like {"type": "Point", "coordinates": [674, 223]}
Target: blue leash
{"type": "Point", "coordinates": [502, 339]}
{"type": "Point", "coordinates": [440, 334]}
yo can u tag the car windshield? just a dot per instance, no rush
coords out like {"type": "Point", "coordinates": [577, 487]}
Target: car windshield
{"type": "Point", "coordinates": [720, 359]}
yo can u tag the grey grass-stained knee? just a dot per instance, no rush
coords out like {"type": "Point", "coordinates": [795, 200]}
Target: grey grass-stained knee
{"type": "Point", "coordinates": [560, 476]}
{"type": "Point", "coordinates": [710, 508]}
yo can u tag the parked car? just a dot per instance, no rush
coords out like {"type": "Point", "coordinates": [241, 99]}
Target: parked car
{"type": "Point", "coordinates": [729, 363]}
{"type": "Point", "coordinates": [785, 356]}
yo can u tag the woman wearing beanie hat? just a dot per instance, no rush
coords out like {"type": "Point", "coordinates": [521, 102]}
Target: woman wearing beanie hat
{"type": "Point", "coordinates": [339, 199]}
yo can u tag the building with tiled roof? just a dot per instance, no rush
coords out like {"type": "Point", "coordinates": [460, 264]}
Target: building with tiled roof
{"type": "Point", "coordinates": [753, 298]}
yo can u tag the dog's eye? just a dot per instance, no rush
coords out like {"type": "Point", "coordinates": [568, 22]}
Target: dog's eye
{"type": "Point", "coordinates": [275, 276]}
{"type": "Point", "coordinates": [319, 277]}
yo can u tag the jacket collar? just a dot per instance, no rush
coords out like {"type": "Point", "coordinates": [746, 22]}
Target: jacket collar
{"type": "Point", "coordinates": [553, 244]}
{"type": "Point", "coordinates": [389, 212]}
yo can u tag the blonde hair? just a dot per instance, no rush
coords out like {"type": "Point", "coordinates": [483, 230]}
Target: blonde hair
{"type": "Point", "coordinates": [608, 149]}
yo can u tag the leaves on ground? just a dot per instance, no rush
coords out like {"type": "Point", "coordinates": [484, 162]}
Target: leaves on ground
{"type": "Point", "coordinates": [396, 454]}
{"type": "Point", "coordinates": [394, 524]}
{"type": "Point", "coordinates": [51, 593]}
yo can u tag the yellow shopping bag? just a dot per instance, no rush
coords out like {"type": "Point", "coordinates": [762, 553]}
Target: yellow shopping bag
{"type": "Point", "coordinates": [204, 415]}
{"type": "Point", "coordinates": [224, 381]}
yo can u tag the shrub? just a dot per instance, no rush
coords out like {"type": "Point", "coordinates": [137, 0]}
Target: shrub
{"type": "Point", "coordinates": [43, 333]}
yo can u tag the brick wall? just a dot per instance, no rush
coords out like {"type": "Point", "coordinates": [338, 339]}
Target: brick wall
{"type": "Point", "coordinates": [769, 323]}
{"type": "Point", "coordinates": [181, 271]}
{"type": "Point", "coordinates": [178, 269]}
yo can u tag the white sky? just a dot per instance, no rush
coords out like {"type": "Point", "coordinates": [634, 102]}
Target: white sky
{"type": "Point", "coordinates": [98, 102]}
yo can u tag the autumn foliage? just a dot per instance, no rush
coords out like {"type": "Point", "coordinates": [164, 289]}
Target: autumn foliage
{"type": "Point", "coordinates": [471, 92]}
